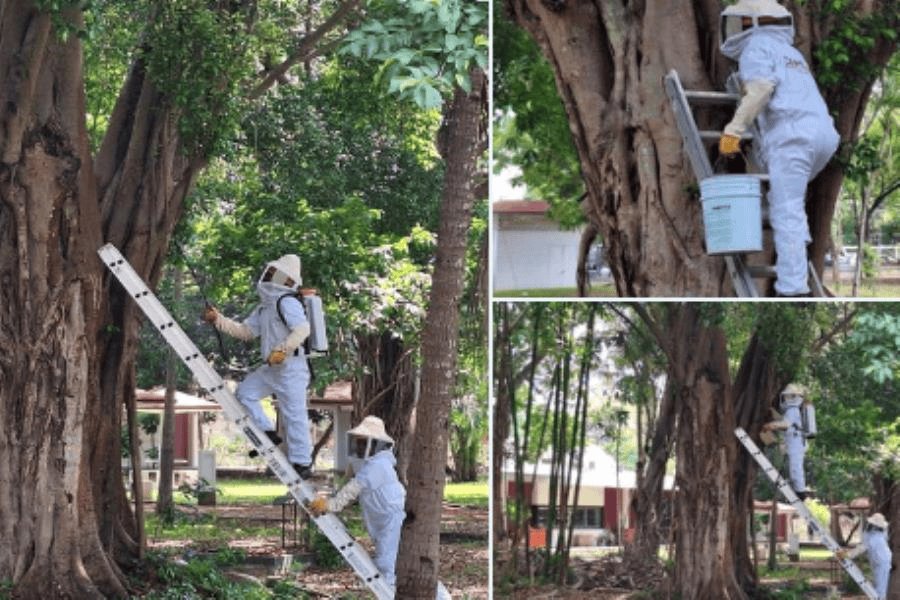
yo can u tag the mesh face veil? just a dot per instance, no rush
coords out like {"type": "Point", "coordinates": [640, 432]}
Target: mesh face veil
{"type": "Point", "coordinates": [750, 14]}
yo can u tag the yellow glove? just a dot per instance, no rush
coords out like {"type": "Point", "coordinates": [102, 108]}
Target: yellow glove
{"type": "Point", "coordinates": [729, 144]}
{"type": "Point", "coordinates": [318, 506]}
{"type": "Point", "coordinates": [210, 314]}
{"type": "Point", "coordinates": [276, 357]}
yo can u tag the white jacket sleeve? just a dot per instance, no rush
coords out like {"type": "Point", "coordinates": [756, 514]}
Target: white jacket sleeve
{"type": "Point", "coordinates": [345, 496]}
{"type": "Point", "coordinates": [757, 93]}
{"type": "Point", "coordinates": [857, 551]}
{"type": "Point", "coordinates": [239, 330]}
{"type": "Point", "coordinates": [783, 424]}
{"type": "Point", "coordinates": [294, 339]}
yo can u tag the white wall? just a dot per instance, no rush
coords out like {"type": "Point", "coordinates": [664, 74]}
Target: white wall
{"type": "Point", "coordinates": [533, 259]}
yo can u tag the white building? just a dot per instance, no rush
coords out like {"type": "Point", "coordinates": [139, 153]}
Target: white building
{"type": "Point", "coordinates": [530, 250]}
{"type": "Point", "coordinates": [603, 499]}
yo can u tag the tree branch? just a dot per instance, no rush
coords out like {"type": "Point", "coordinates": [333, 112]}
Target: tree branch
{"type": "Point", "coordinates": [842, 325]}
{"type": "Point", "coordinates": [306, 47]}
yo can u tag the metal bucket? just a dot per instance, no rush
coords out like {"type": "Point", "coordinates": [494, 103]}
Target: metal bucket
{"type": "Point", "coordinates": [732, 216]}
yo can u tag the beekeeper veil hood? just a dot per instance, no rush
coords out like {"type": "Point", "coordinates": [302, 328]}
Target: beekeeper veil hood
{"type": "Point", "coordinates": [740, 20]}
{"type": "Point", "coordinates": [368, 438]}
{"type": "Point", "coordinates": [793, 395]}
{"type": "Point", "coordinates": [285, 272]}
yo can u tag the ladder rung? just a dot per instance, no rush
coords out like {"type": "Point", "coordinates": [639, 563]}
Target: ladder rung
{"type": "Point", "coordinates": [706, 98]}
{"type": "Point", "coordinates": [762, 271]}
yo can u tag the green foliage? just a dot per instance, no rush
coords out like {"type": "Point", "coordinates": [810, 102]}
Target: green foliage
{"type": "Point", "coordinates": [202, 578]}
{"type": "Point", "coordinates": [148, 422]}
{"type": "Point", "coordinates": [326, 555]}
{"type": "Point", "coordinates": [857, 406]}
{"type": "Point", "coordinates": [877, 335]}
{"type": "Point", "coordinates": [533, 130]}
{"type": "Point", "coordinates": [841, 59]}
{"type": "Point", "coordinates": [199, 57]}
{"type": "Point", "coordinates": [787, 330]}
{"type": "Point", "coordinates": [426, 47]}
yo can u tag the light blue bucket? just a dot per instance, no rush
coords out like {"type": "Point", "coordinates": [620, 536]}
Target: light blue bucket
{"type": "Point", "coordinates": [732, 218]}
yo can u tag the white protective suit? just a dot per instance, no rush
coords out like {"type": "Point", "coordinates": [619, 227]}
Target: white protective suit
{"type": "Point", "coordinates": [797, 137]}
{"type": "Point", "coordinates": [875, 542]}
{"type": "Point", "coordinates": [287, 380]}
{"type": "Point", "coordinates": [382, 498]}
{"type": "Point", "coordinates": [795, 443]}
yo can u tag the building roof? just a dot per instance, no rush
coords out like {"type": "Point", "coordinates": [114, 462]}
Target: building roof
{"type": "Point", "coordinates": [339, 393]}
{"type": "Point", "coordinates": [154, 400]}
{"type": "Point", "coordinates": [528, 207]}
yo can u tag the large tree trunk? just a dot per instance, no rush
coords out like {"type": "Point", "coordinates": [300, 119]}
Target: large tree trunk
{"type": "Point", "coordinates": [609, 59]}
{"type": "Point", "coordinates": [649, 495]}
{"type": "Point", "coordinates": [387, 388]}
{"type": "Point", "coordinates": [418, 563]}
{"type": "Point", "coordinates": [49, 229]}
{"type": "Point", "coordinates": [68, 374]}
{"type": "Point", "coordinates": [756, 387]}
{"type": "Point", "coordinates": [706, 455]}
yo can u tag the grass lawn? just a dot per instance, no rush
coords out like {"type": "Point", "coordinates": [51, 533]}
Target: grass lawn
{"type": "Point", "coordinates": [207, 529]}
{"type": "Point", "coordinates": [604, 290]}
{"type": "Point", "coordinates": [474, 493]}
{"type": "Point", "coordinates": [265, 490]}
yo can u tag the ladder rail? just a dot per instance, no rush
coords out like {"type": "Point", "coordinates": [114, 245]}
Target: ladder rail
{"type": "Point", "coordinates": [353, 553]}
{"type": "Point", "coordinates": [788, 492]}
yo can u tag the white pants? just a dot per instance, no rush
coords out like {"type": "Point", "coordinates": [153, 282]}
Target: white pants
{"type": "Point", "coordinates": [387, 543]}
{"type": "Point", "coordinates": [288, 382]}
{"type": "Point", "coordinates": [881, 574]}
{"type": "Point", "coordinates": [795, 446]}
{"type": "Point", "coordinates": [795, 151]}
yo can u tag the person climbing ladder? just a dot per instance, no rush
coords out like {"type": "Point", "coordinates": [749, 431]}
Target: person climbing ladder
{"type": "Point", "coordinates": [281, 324]}
{"type": "Point", "coordinates": [798, 424]}
{"type": "Point", "coordinates": [797, 135]}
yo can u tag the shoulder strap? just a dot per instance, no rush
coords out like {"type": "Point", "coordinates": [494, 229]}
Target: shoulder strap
{"type": "Point", "coordinates": [278, 305]}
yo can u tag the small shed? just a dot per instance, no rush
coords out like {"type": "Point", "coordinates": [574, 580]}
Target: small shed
{"type": "Point", "coordinates": [530, 250]}
{"type": "Point", "coordinates": [188, 411]}
{"type": "Point", "coordinates": [337, 399]}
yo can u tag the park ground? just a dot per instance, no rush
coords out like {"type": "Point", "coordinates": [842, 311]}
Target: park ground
{"type": "Point", "coordinates": [243, 548]}
{"type": "Point", "coordinates": [885, 285]}
{"type": "Point", "coordinates": [595, 575]}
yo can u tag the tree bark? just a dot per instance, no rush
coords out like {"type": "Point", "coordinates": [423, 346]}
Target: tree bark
{"type": "Point", "coordinates": [649, 495]}
{"type": "Point", "coordinates": [387, 388]}
{"type": "Point", "coordinates": [706, 454]}
{"type": "Point", "coordinates": [49, 229]}
{"type": "Point", "coordinates": [418, 562]}
{"type": "Point", "coordinates": [756, 388]}
{"type": "Point", "coordinates": [609, 60]}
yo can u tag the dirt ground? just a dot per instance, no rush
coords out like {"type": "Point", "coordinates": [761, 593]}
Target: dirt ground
{"type": "Point", "coordinates": [464, 553]}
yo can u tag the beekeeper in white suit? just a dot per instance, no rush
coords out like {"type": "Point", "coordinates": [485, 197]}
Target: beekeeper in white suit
{"type": "Point", "coordinates": [875, 542]}
{"type": "Point", "coordinates": [281, 324]}
{"type": "Point", "coordinates": [797, 135]}
{"type": "Point", "coordinates": [796, 426]}
{"type": "Point", "coordinates": [381, 495]}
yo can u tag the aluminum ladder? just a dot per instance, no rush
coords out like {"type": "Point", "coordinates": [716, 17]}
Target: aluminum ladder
{"type": "Point", "coordinates": [785, 488]}
{"type": "Point", "coordinates": [695, 143]}
{"type": "Point", "coordinates": [354, 554]}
